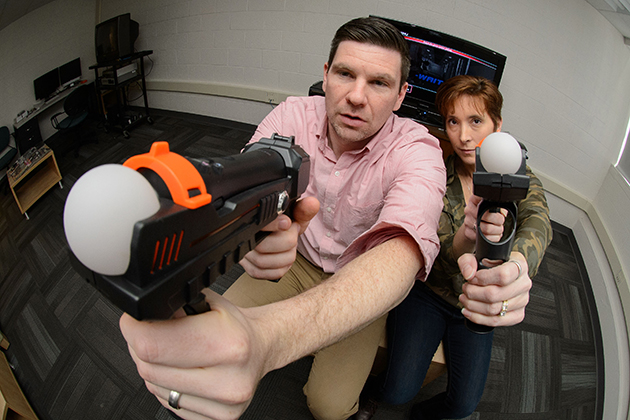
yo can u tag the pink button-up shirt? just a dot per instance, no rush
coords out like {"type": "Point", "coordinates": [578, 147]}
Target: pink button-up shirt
{"type": "Point", "coordinates": [393, 185]}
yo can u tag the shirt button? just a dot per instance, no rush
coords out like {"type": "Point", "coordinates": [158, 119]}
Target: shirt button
{"type": "Point", "coordinates": [328, 209]}
{"type": "Point", "coordinates": [337, 173]}
{"type": "Point", "coordinates": [324, 258]}
{"type": "Point", "coordinates": [328, 234]}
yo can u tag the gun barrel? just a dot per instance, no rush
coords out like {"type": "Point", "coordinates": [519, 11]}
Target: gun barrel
{"type": "Point", "coordinates": [184, 246]}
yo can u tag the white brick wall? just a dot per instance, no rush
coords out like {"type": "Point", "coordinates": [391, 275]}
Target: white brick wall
{"type": "Point", "coordinates": [566, 83]}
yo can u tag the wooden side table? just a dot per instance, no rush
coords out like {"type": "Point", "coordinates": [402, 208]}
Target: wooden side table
{"type": "Point", "coordinates": [32, 176]}
{"type": "Point", "coordinates": [13, 403]}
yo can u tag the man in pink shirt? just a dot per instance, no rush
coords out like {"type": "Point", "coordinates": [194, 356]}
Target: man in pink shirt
{"type": "Point", "coordinates": [378, 182]}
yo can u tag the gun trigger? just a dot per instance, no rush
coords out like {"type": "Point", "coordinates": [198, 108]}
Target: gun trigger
{"type": "Point", "coordinates": [197, 306]}
{"type": "Point", "coordinates": [195, 285]}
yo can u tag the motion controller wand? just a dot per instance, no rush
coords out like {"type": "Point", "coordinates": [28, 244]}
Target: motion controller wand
{"type": "Point", "coordinates": [500, 178]}
{"type": "Point", "coordinates": [152, 233]}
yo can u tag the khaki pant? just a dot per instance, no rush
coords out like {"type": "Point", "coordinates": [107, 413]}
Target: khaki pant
{"type": "Point", "coordinates": [340, 370]}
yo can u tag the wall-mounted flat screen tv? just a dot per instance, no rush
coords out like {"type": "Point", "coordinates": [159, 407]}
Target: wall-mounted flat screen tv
{"type": "Point", "coordinates": [115, 38]}
{"type": "Point", "coordinates": [436, 57]}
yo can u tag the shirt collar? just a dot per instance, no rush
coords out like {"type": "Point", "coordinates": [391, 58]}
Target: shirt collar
{"type": "Point", "coordinates": [320, 130]}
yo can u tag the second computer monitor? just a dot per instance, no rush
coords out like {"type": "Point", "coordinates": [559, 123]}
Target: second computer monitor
{"type": "Point", "coordinates": [70, 72]}
{"type": "Point", "coordinates": [45, 86]}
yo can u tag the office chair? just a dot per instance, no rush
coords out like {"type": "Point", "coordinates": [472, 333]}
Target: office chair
{"type": "Point", "coordinates": [76, 108]}
{"type": "Point", "coordinates": [7, 151]}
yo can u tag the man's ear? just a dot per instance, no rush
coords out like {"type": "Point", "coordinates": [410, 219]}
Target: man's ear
{"type": "Point", "coordinates": [401, 96]}
{"type": "Point", "coordinates": [325, 77]}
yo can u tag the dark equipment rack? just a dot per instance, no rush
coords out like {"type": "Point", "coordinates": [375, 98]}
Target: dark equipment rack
{"type": "Point", "coordinates": [122, 120]}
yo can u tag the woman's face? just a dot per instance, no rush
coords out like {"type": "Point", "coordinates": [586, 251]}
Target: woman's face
{"type": "Point", "coordinates": [467, 125]}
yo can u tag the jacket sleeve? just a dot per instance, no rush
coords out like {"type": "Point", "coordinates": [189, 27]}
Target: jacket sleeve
{"type": "Point", "coordinates": [533, 231]}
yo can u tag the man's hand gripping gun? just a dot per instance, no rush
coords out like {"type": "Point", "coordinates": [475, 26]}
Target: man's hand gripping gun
{"type": "Point", "coordinates": [501, 182]}
{"type": "Point", "coordinates": [211, 212]}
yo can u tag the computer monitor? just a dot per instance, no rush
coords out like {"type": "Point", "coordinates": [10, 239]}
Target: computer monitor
{"type": "Point", "coordinates": [435, 58]}
{"type": "Point", "coordinates": [70, 72]}
{"type": "Point", "coordinates": [46, 85]}
{"type": "Point", "coordinates": [114, 38]}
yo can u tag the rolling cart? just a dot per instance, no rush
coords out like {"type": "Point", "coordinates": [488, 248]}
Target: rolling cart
{"type": "Point", "coordinates": [113, 78]}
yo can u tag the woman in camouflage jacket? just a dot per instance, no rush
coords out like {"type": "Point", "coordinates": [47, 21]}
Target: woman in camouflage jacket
{"type": "Point", "coordinates": [435, 311]}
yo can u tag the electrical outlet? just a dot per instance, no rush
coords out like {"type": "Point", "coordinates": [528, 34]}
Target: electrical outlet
{"type": "Point", "coordinates": [272, 98]}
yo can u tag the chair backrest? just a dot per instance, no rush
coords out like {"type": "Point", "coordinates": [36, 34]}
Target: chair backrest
{"type": "Point", "coordinates": [77, 102]}
{"type": "Point", "coordinates": [5, 136]}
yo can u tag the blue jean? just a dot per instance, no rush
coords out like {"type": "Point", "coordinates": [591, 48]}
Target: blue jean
{"type": "Point", "coordinates": [414, 331]}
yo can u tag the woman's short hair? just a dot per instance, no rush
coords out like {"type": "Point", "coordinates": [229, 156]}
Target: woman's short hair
{"type": "Point", "coordinates": [372, 30]}
{"type": "Point", "coordinates": [478, 88]}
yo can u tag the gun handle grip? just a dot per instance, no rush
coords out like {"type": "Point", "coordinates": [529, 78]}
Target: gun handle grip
{"type": "Point", "coordinates": [197, 306]}
{"type": "Point", "coordinates": [478, 328]}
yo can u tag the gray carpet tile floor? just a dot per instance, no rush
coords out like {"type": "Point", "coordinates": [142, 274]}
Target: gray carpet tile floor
{"type": "Point", "coordinates": [72, 362]}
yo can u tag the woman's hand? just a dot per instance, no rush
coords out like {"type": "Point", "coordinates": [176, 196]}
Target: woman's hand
{"type": "Point", "coordinates": [491, 226]}
{"type": "Point", "coordinates": [491, 223]}
{"type": "Point", "coordinates": [496, 296]}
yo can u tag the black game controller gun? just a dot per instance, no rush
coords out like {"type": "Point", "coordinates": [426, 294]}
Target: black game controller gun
{"type": "Point", "coordinates": [499, 191]}
{"type": "Point", "coordinates": [183, 248]}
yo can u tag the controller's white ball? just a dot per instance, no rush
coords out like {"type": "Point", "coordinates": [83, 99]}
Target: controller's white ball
{"type": "Point", "coordinates": [500, 153]}
{"type": "Point", "coordinates": [99, 215]}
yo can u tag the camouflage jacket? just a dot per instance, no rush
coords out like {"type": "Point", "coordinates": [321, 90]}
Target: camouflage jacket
{"type": "Point", "coordinates": [533, 233]}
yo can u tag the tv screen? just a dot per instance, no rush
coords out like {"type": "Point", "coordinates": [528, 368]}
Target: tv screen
{"type": "Point", "coordinates": [435, 58]}
{"type": "Point", "coordinates": [70, 72]}
{"type": "Point", "coordinates": [115, 38]}
{"type": "Point", "coordinates": [46, 85]}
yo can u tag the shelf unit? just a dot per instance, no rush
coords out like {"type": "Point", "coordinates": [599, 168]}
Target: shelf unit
{"type": "Point", "coordinates": [35, 181]}
{"type": "Point", "coordinates": [121, 118]}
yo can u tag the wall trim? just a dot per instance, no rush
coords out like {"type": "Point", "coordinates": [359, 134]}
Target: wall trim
{"type": "Point", "coordinates": [249, 93]}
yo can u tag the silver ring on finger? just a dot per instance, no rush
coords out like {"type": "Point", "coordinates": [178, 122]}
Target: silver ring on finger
{"type": "Point", "coordinates": [520, 269]}
{"type": "Point", "coordinates": [173, 399]}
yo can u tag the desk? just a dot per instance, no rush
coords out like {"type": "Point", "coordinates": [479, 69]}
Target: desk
{"type": "Point", "coordinates": [27, 132]}
{"type": "Point", "coordinates": [29, 182]}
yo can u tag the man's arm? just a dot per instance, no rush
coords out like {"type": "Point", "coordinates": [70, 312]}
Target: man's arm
{"type": "Point", "coordinates": [215, 360]}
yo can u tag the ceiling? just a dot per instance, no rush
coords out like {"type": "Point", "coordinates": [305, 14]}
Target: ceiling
{"type": "Point", "coordinates": [12, 10]}
{"type": "Point", "coordinates": [616, 11]}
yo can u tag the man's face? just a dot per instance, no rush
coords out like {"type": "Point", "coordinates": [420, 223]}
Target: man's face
{"type": "Point", "coordinates": [362, 87]}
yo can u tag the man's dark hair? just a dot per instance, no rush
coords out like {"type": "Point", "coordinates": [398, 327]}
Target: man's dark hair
{"type": "Point", "coordinates": [372, 30]}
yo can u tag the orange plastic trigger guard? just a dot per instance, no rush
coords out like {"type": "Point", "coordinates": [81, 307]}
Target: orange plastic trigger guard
{"type": "Point", "coordinates": [176, 171]}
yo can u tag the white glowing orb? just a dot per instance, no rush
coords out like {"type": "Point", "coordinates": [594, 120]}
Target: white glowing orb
{"type": "Point", "coordinates": [500, 153]}
{"type": "Point", "coordinates": [99, 215]}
